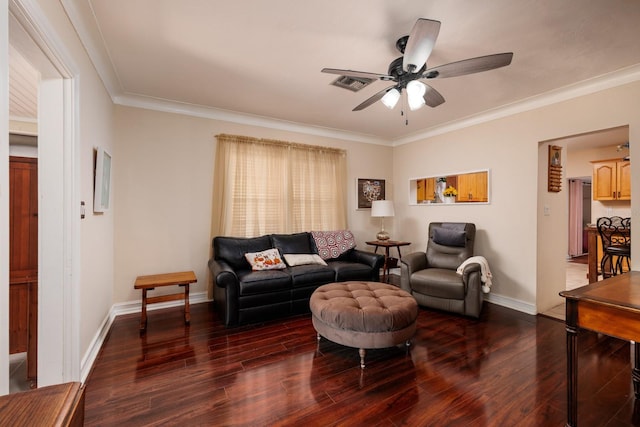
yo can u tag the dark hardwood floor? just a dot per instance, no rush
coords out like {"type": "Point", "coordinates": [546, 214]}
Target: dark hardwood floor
{"type": "Point", "coordinates": [505, 369]}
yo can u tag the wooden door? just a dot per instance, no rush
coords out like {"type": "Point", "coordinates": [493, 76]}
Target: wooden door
{"type": "Point", "coordinates": [23, 259]}
{"type": "Point", "coordinates": [23, 217]}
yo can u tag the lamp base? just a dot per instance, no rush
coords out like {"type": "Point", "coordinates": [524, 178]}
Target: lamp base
{"type": "Point", "coordinates": [382, 235]}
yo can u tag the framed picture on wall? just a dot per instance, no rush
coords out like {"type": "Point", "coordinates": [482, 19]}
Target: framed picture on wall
{"type": "Point", "coordinates": [102, 182]}
{"type": "Point", "coordinates": [368, 190]}
{"type": "Point", "coordinates": [555, 169]}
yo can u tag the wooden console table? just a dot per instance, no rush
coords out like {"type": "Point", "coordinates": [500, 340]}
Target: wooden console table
{"type": "Point", "coordinates": [610, 307]}
{"type": "Point", "coordinates": [386, 244]}
{"type": "Point", "coordinates": [147, 283]}
{"type": "Point", "coordinates": [55, 405]}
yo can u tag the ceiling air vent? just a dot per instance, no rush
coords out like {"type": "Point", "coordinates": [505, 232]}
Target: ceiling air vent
{"type": "Point", "coordinates": [352, 83]}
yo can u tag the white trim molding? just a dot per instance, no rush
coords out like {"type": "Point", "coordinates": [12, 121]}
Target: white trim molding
{"type": "Point", "coordinates": [511, 303]}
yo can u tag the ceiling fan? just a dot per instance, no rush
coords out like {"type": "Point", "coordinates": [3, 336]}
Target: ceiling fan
{"type": "Point", "coordinates": [407, 71]}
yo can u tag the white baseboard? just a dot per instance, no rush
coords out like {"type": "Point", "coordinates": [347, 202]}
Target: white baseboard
{"type": "Point", "coordinates": [125, 308]}
{"type": "Point", "coordinates": [512, 303]}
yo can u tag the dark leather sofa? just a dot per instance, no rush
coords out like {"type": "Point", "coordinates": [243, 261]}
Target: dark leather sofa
{"type": "Point", "coordinates": [243, 296]}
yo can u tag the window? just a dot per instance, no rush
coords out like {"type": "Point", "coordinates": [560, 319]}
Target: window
{"type": "Point", "coordinates": [267, 186]}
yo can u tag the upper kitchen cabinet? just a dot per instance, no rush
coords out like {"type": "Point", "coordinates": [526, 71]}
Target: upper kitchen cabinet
{"type": "Point", "coordinates": [612, 179]}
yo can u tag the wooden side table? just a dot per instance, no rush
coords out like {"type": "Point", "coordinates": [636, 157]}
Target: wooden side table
{"type": "Point", "coordinates": [147, 283]}
{"type": "Point", "coordinates": [386, 244]}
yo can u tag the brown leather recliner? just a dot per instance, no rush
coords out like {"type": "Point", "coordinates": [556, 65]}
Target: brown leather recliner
{"type": "Point", "coordinates": [431, 276]}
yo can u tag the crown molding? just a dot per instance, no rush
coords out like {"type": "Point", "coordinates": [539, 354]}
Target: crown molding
{"type": "Point", "coordinates": [586, 87]}
{"type": "Point", "coordinates": [79, 12]}
{"type": "Point", "coordinates": [193, 110]}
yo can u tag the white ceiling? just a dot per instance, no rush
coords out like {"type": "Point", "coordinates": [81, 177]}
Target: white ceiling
{"type": "Point", "coordinates": [260, 61]}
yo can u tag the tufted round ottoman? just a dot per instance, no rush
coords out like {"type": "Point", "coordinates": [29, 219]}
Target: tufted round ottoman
{"type": "Point", "coordinates": [364, 315]}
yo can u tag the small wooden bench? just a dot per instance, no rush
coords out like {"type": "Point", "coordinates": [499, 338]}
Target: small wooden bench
{"type": "Point", "coordinates": [148, 283]}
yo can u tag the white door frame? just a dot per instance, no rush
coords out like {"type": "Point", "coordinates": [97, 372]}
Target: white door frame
{"type": "Point", "coordinates": [58, 188]}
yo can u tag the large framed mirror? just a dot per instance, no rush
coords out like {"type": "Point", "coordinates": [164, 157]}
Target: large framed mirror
{"type": "Point", "coordinates": [464, 187]}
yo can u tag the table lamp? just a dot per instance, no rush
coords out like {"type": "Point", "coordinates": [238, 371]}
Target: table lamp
{"type": "Point", "coordinates": [382, 209]}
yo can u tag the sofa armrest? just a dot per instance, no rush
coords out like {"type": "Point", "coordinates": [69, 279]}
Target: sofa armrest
{"type": "Point", "coordinates": [409, 264]}
{"type": "Point", "coordinates": [415, 261]}
{"type": "Point", "coordinates": [223, 274]}
{"type": "Point", "coordinates": [375, 261]}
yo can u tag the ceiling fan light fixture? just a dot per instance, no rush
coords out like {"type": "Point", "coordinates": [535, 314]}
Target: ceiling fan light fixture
{"type": "Point", "coordinates": [415, 95]}
{"type": "Point", "coordinates": [390, 99]}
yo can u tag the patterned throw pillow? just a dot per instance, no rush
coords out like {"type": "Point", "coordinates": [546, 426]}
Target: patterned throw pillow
{"type": "Point", "coordinates": [332, 244]}
{"type": "Point", "coordinates": [265, 260]}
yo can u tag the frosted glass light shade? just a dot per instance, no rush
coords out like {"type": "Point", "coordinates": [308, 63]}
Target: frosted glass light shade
{"type": "Point", "coordinates": [415, 94]}
{"type": "Point", "coordinates": [390, 99]}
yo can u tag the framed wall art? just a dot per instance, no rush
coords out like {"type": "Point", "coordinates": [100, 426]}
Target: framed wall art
{"type": "Point", "coordinates": [368, 190]}
{"type": "Point", "coordinates": [554, 182]}
{"type": "Point", "coordinates": [102, 182]}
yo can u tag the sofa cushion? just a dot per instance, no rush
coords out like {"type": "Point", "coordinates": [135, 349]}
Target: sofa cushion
{"type": "Point", "coordinates": [438, 282]}
{"type": "Point", "coordinates": [303, 259]}
{"type": "Point", "coordinates": [311, 274]}
{"type": "Point", "coordinates": [265, 281]}
{"type": "Point", "coordinates": [265, 260]}
{"type": "Point", "coordinates": [233, 249]}
{"type": "Point", "coordinates": [346, 271]}
{"type": "Point", "coordinates": [332, 244]}
{"type": "Point", "coordinates": [298, 243]}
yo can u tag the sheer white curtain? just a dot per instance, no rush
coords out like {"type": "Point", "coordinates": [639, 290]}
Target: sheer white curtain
{"type": "Point", "coordinates": [266, 186]}
{"type": "Point", "coordinates": [575, 217]}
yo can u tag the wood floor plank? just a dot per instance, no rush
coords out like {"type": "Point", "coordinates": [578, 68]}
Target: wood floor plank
{"type": "Point", "coordinates": [506, 368]}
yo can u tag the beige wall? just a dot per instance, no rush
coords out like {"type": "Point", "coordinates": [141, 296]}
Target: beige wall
{"type": "Point", "coordinates": [164, 175]}
{"type": "Point", "coordinates": [163, 170]}
{"type": "Point", "coordinates": [525, 248]}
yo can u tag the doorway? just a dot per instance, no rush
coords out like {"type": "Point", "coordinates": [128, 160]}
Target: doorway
{"type": "Point", "coordinates": [581, 151]}
{"type": "Point", "coordinates": [579, 215]}
{"type": "Point", "coordinates": [58, 227]}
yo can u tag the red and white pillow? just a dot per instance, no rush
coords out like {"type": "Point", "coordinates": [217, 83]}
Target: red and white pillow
{"type": "Point", "coordinates": [332, 244]}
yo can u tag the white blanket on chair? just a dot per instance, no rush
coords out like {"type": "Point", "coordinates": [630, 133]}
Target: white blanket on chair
{"type": "Point", "coordinates": [485, 273]}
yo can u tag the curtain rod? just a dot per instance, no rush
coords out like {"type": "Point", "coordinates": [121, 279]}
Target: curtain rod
{"type": "Point", "coordinates": [266, 141]}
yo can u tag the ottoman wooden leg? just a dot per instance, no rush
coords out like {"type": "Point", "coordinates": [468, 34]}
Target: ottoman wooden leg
{"type": "Point", "coordinates": [362, 352]}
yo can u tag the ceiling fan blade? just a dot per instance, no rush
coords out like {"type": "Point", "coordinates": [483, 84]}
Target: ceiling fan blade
{"type": "Point", "coordinates": [420, 44]}
{"type": "Point", "coordinates": [432, 97]}
{"type": "Point", "coordinates": [469, 66]}
{"type": "Point", "coordinates": [361, 74]}
{"type": "Point", "coordinates": [375, 98]}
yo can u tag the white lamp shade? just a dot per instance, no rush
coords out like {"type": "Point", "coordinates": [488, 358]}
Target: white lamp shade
{"type": "Point", "coordinates": [382, 208]}
{"type": "Point", "coordinates": [390, 99]}
{"type": "Point", "coordinates": [415, 94]}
